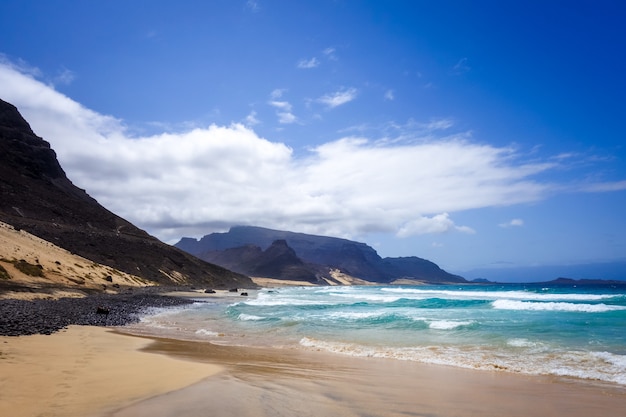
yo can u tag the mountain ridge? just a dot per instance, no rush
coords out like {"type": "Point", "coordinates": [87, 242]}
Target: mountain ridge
{"type": "Point", "coordinates": [320, 253]}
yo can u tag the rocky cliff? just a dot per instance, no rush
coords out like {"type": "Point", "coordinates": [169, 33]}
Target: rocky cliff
{"type": "Point", "coordinates": [277, 261]}
{"type": "Point", "coordinates": [37, 196]}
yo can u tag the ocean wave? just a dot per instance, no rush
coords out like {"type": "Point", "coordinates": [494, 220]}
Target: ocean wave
{"type": "Point", "coordinates": [205, 332]}
{"type": "Point", "coordinates": [273, 302]}
{"type": "Point", "coordinates": [250, 317]}
{"type": "Point", "coordinates": [554, 306]}
{"type": "Point", "coordinates": [447, 324]}
{"type": "Point", "coordinates": [354, 315]}
{"type": "Point", "coordinates": [618, 361]}
{"type": "Point", "coordinates": [367, 297]}
{"type": "Point", "coordinates": [601, 366]}
{"type": "Point", "coordinates": [522, 343]}
{"type": "Point", "coordinates": [488, 295]}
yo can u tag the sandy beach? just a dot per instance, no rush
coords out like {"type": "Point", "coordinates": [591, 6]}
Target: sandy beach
{"type": "Point", "coordinates": [271, 382]}
{"type": "Point", "coordinates": [91, 371]}
{"type": "Point", "coordinates": [84, 371]}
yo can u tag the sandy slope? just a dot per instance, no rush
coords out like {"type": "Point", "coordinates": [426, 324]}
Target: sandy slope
{"type": "Point", "coordinates": [60, 268]}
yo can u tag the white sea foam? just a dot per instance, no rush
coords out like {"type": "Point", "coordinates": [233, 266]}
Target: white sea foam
{"type": "Point", "coordinates": [553, 306]}
{"type": "Point", "coordinates": [205, 332]}
{"type": "Point", "coordinates": [616, 362]}
{"type": "Point", "coordinates": [366, 297]}
{"type": "Point", "coordinates": [521, 343]}
{"type": "Point", "coordinates": [272, 302]}
{"type": "Point", "coordinates": [355, 315]}
{"type": "Point", "coordinates": [249, 317]}
{"type": "Point", "coordinates": [448, 324]}
{"type": "Point", "coordinates": [601, 366]}
{"type": "Point", "coordinates": [489, 295]}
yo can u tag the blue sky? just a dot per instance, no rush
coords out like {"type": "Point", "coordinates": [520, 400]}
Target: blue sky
{"type": "Point", "coordinates": [474, 134]}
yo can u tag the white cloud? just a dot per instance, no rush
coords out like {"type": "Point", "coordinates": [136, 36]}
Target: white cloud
{"type": "Point", "coordinates": [330, 53]}
{"type": "Point", "coordinates": [253, 6]}
{"type": "Point", "coordinates": [601, 187]}
{"type": "Point", "coordinates": [440, 223]}
{"type": "Point", "coordinates": [192, 182]}
{"type": "Point", "coordinates": [512, 223]}
{"type": "Point", "coordinates": [438, 124]}
{"type": "Point", "coordinates": [389, 95]}
{"type": "Point", "coordinates": [251, 119]}
{"type": "Point", "coordinates": [284, 113]}
{"type": "Point", "coordinates": [308, 63]}
{"type": "Point", "coordinates": [283, 105]}
{"type": "Point", "coordinates": [64, 77]}
{"type": "Point", "coordinates": [286, 118]}
{"type": "Point", "coordinates": [20, 66]}
{"type": "Point", "coordinates": [338, 98]}
{"type": "Point", "coordinates": [461, 67]}
{"type": "Point", "coordinates": [277, 93]}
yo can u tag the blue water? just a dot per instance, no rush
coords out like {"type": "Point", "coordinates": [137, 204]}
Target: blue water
{"type": "Point", "coordinates": [575, 332]}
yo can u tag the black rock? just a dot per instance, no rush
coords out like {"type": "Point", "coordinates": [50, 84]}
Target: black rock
{"type": "Point", "coordinates": [19, 317]}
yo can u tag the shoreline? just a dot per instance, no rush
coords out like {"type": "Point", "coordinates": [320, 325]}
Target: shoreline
{"type": "Point", "coordinates": [291, 382]}
{"type": "Point", "coordinates": [104, 372]}
{"type": "Point", "coordinates": [90, 371]}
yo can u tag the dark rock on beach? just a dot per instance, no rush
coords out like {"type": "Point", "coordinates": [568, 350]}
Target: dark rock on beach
{"type": "Point", "coordinates": [20, 317]}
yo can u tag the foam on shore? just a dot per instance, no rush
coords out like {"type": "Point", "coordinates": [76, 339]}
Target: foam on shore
{"type": "Point", "coordinates": [293, 383]}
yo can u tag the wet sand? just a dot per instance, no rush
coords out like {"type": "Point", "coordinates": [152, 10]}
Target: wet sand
{"type": "Point", "coordinates": [84, 371]}
{"type": "Point", "coordinates": [274, 382]}
{"type": "Point", "coordinates": [96, 372]}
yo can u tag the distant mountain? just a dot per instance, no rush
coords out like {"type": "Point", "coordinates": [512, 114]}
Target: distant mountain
{"type": "Point", "coordinates": [278, 261]}
{"type": "Point", "coordinates": [585, 282]}
{"type": "Point", "coordinates": [243, 246]}
{"type": "Point", "coordinates": [37, 196]}
{"type": "Point", "coordinates": [588, 271]}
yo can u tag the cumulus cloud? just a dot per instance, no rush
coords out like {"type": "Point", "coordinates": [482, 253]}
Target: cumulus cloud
{"type": "Point", "coordinates": [332, 100]}
{"type": "Point", "coordinates": [512, 223]}
{"type": "Point", "coordinates": [207, 178]}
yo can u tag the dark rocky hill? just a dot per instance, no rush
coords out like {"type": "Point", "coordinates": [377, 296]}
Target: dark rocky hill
{"type": "Point", "coordinates": [277, 261]}
{"type": "Point", "coordinates": [37, 196]}
{"type": "Point", "coordinates": [318, 254]}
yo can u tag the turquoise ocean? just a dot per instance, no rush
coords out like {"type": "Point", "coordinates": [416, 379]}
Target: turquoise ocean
{"type": "Point", "coordinates": [577, 332]}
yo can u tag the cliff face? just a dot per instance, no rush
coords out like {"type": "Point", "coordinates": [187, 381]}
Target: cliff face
{"type": "Point", "coordinates": [278, 261]}
{"type": "Point", "coordinates": [37, 196]}
{"type": "Point", "coordinates": [319, 254]}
